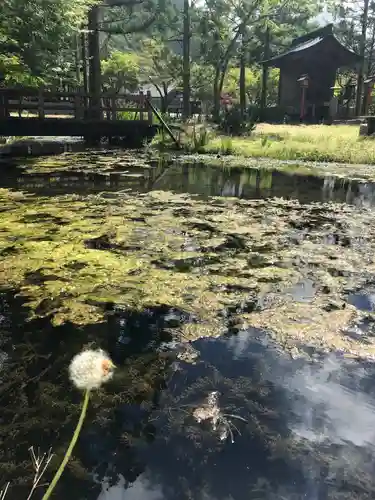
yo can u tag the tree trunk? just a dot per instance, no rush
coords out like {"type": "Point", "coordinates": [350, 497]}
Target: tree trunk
{"type": "Point", "coordinates": [94, 63]}
{"type": "Point", "coordinates": [362, 49]}
{"type": "Point", "coordinates": [263, 95]}
{"type": "Point", "coordinates": [77, 54]}
{"type": "Point", "coordinates": [216, 96]}
{"type": "Point", "coordinates": [242, 81]}
{"type": "Point", "coordinates": [367, 74]}
{"type": "Point", "coordinates": [186, 62]}
{"type": "Point", "coordinates": [84, 63]}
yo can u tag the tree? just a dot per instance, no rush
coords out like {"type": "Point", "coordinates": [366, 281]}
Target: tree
{"type": "Point", "coordinates": [121, 71]}
{"type": "Point", "coordinates": [125, 27]}
{"type": "Point", "coordinates": [161, 67]}
{"type": "Point", "coordinates": [222, 24]}
{"type": "Point", "coordinates": [253, 84]}
{"type": "Point", "coordinates": [40, 34]}
{"type": "Point", "coordinates": [355, 26]}
{"type": "Point", "coordinates": [201, 81]}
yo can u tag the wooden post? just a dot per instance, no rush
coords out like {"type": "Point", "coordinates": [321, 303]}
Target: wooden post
{"type": "Point", "coordinates": [149, 109]}
{"type": "Point", "coordinates": [41, 104]}
{"type": "Point", "coordinates": [141, 104]}
{"type": "Point", "coordinates": [84, 71]}
{"type": "Point", "coordinates": [20, 99]}
{"type": "Point", "coordinates": [108, 101]}
{"type": "Point", "coordinates": [78, 115]}
{"type": "Point", "coordinates": [114, 108]}
{"type": "Point", "coordinates": [303, 102]}
{"type": "Point", "coordinates": [3, 106]}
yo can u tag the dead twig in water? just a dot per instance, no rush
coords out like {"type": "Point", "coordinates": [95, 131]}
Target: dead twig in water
{"type": "Point", "coordinates": [40, 465]}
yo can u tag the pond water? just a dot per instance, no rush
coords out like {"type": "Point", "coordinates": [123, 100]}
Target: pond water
{"type": "Point", "coordinates": [247, 183]}
{"type": "Point", "coordinates": [198, 281]}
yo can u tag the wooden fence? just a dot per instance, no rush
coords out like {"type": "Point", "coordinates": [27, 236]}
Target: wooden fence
{"type": "Point", "coordinates": [27, 103]}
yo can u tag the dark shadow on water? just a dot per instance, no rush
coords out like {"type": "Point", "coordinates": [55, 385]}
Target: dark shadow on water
{"type": "Point", "coordinates": [309, 430]}
{"type": "Point", "coordinates": [199, 179]}
{"type": "Point", "coordinates": [39, 407]}
{"type": "Point", "coordinates": [300, 440]}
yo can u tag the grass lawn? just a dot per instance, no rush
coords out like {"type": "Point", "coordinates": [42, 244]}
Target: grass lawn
{"type": "Point", "coordinates": [334, 143]}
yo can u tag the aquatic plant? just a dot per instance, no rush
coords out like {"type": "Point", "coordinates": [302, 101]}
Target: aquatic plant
{"type": "Point", "coordinates": [88, 370]}
{"type": "Point", "coordinates": [197, 139]}
{"type": "Point", "coordinates": [220, 421]}
{"type": "Point", "coordinates": [226, 147]}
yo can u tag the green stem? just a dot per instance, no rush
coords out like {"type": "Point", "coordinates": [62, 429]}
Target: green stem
{"type": "Point", "coordinates": [71, 446]}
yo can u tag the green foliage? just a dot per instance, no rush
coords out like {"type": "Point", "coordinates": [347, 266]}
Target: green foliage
{"type": "Point", "coordinates": [161, 67]}
{"type": "Point", "coordinates": [127, 26]}
{"type": "Point", "coordinates": [37, 37]}
{"type": "Point", "coordinates": [201, 78]}
{"type": "Point", "coordinates": [226, 146]}
{"type": "Point", "coordinates": [126, 115]}
{"type": "Point", "coordinates": [121, 72]}
{"type": "Point", "coordinates": [15, 72]}
{"type": "Point", "coordinates": [253, 84]}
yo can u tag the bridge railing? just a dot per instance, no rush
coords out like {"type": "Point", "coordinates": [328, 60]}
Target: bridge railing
{"type": "Point", "coordinates": [27, 103]}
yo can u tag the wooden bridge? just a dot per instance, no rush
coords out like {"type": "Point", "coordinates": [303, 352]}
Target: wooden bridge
{"type": "Point", "coordinates": [33, 112]}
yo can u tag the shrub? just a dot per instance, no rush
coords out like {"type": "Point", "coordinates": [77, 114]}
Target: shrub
{"type": "Point", "coordinates": [233, 123]}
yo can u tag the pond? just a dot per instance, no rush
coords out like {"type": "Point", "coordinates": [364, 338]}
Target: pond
{"type": "Point", "coordinates": [245, 290]}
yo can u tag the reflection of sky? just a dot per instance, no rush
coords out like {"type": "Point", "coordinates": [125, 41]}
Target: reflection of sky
{"type": "Point", "coordinates": [346, 414]}
{"type": "Point", "coordinates": [141, 489]}
{"type": "Point", "coordinates": [327, 407]}
{"type": "Point", "coordinates": [240, 343]}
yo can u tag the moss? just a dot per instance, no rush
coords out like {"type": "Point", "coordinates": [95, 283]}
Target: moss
{"type": "Point", "coordinates": [227, 262]}
{"type": "Point", "coordinates": [100, 161]}
{"type": "Point", "coordinates": [320, 143]}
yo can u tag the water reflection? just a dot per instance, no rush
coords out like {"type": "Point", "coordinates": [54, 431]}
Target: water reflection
{"type": "Point", "coordinates": [200, 179]}
{"type": "Point", "coordinates": [309, 430]}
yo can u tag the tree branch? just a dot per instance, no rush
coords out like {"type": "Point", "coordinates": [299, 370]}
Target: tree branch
{"type": "Point", "coordinates": [134, 29]}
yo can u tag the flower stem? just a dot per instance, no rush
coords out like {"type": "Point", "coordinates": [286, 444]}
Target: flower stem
{"type": "Point", "coordinates": [71, 446]}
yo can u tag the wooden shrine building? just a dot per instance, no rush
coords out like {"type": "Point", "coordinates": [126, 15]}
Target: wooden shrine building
{"type": "Point", "coordinates": [308, 74]}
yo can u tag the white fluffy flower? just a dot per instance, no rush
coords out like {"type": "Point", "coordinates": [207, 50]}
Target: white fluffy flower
{"type": "Point", "coordinates": [90, 369]}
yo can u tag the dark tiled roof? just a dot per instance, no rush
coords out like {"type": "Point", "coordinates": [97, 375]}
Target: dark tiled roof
{"type": "Point", "coordinates": [314, 39]}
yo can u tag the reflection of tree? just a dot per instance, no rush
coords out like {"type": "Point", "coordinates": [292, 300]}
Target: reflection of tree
{"type": "Point", "coordinates": [142, 423]}
{"type": "Point", "coordinates": [39, 407]}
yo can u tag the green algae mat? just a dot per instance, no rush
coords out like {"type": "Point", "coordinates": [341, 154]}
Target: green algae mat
{"type": "Point", "coordinates": [280, 265]}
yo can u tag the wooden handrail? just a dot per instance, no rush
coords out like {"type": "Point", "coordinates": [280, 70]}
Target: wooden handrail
{"type": "Point", "coordinates": [71, 104]}
{"type": "Point", "coordinates": [12, 92]}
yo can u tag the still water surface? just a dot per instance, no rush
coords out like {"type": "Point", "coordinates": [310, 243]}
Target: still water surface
{"type": "Point", "coordinates": [203, 180]}
{"type": "Point", "coordinates": [306, 426]}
